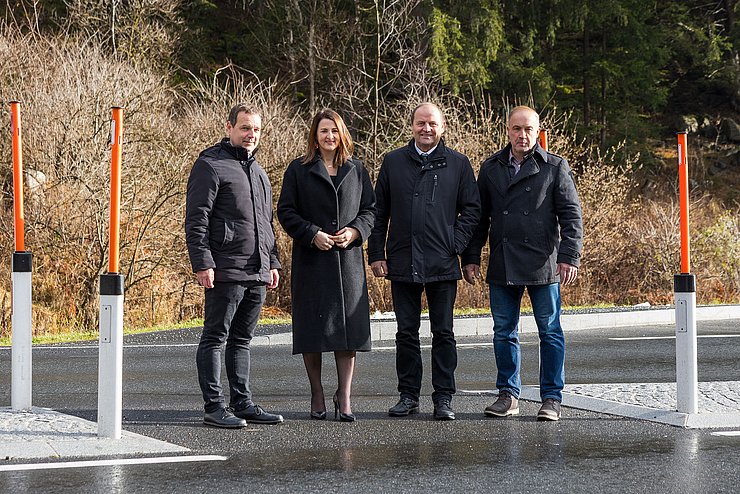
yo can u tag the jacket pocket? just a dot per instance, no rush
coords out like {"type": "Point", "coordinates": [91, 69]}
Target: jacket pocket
{"type": "Point", "coordinates": [229, 228]}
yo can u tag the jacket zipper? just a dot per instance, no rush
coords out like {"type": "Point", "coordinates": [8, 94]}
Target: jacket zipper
{"type": "Point", "coordinates": [434, 189]}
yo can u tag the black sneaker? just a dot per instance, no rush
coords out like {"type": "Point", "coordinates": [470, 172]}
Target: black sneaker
{"type": "Point", "coordinates": [254, 414]}
{"type": "Point", "coordinates": [405, 406]}
{"type": "Point", "coordinates": [223, 418]}
{"type": "Point", "coordinates": [443, 411]}
{"type": "Point", "coordinates": [550, 410]}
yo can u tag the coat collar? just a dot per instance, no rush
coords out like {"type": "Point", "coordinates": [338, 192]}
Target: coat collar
{"type": "Point", "coordinates": [237, 153]}
{"type": "Point", "coordinates": [317, 168]}
{"type": "Point", "coordinates": [530, 166]}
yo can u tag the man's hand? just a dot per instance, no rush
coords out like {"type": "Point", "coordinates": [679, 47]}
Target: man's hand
{"type": "Point", "coordinates": [322, 241]}
{"type": "Point", "coordinates": [567, 272]}
{"type": "Point", "coordinates": [344, 237]}
{"type": "Point", "coordinates": [205, 277]}
{"type": "Point", "coordinates": [379, 268]}
{"type": "Point", "coordinates": [274, 278]}
{"type": "Point", "coordinates": [471, 272]}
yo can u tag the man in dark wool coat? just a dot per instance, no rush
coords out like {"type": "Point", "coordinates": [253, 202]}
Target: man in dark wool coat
{"type": "Point", "coordinates": [427, 208]}
{"type": "Point", "coordinates": [532, 219]}
{"type": "Point", "coordinates": [231, 244]}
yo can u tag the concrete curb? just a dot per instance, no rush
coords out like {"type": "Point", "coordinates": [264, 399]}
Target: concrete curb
{"type": "Point", "coordinates": [385, 329]}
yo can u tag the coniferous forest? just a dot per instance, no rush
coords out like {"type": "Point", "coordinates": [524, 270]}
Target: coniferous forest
{"type": "Point", "coordinates": [613, 81]}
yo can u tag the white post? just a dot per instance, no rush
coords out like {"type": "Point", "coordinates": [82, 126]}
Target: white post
{"type": "Point", "coordinates": [687, 377]}
{"type": "Point", "coordinates": [22, 373]}
{"type": "Point", "coordinates": [110, 362]}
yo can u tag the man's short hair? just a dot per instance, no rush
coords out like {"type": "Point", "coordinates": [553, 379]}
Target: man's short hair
{"type": "Point", "coordinates": [521, 108]}
{"type": "Point", "coordinates": [242, 107]}
{"type": "Point", "coordinates": [426, 103]}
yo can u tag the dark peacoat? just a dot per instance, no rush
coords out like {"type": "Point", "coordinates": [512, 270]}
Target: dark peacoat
{"type": "Point", "coordinates": [533, 221]}
{"type": "Point", "coordinates": [329, 290]}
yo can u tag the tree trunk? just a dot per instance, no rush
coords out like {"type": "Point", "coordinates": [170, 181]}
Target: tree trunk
{"type": "Point", "coordinates": [586, 81]}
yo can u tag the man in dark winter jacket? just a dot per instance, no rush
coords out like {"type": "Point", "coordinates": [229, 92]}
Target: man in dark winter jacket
{"type": "Point", "coordinates": [427, 192]}
{"type": "Point", "coordinates": [532, 217]}
{"type": "Point", "coordinates": [231, 244]}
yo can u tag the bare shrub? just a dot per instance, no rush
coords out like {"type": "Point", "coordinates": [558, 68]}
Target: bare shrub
{"type": "Point", "coordinates": [138, 30]}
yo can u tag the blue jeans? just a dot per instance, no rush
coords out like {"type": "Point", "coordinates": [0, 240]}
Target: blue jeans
{"type": "Point", "coordinates": [231, 314]}
{"type": "Point", "coordinates": [505, 308]}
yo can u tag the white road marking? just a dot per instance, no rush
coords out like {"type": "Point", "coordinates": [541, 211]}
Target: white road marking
{"type": "Point", "coordinates": [726, 433]}
{"type": "Point", "coordinates": [106, 463]}
{"type": "Point", "coordinates": [633, 338]}
{"type": "Point", "coordinates": [459, 345]}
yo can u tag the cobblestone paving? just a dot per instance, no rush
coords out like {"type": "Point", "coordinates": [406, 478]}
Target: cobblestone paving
{"type": "Point", "coordinates": [714, 397]}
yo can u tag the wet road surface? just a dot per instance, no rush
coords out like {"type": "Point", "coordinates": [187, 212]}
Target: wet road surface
{"type": "Point", "coordinates": [584, 452]}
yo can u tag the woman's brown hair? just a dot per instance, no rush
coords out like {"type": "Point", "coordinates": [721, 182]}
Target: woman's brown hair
{"type": "Point", "coordinates": [346, 146]}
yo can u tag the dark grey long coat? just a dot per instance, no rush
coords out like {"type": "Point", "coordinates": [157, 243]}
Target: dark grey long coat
{"type": "Point", "coordinates": [329, 290]}
{"type": "Point", "coordinates": [532, 221]}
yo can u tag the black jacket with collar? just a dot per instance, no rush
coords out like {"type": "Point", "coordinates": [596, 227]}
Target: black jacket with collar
{"type": "Point", "coordinates": [426, 214]}
{"type": "Point", "coordinates": [228, 216]}
{"type": "Point", "coordinates": [533, 220]}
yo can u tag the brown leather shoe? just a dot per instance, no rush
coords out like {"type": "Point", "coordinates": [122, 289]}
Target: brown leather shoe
{"type": "Point", "coordinates": [504, 406]}
{"type": "Point", "coordinates": [550, 410]}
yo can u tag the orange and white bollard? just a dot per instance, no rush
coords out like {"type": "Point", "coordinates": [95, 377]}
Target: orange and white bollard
{"type": "Point", "coordinates": [22, 338]}
{"type": "Point", "coordinates": [110, 365]}
{"type": "Point", "coordinates": [684, 288]}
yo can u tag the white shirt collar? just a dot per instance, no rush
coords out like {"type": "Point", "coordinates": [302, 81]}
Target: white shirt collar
{"type": "Point", "coordinates": [424, 153]}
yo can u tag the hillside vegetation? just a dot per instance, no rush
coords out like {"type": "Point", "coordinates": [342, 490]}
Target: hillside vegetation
{"type": "Point", "coordinates": [177, 78]}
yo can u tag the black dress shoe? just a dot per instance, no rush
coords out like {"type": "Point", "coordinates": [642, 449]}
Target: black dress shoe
{"type": "Point", "coordinates": [318, 415]}
{"type": "Point", "coordinates": [405, 406]}
{"type": "Point", "coordinates": [223, 418]}
{"type": "Point", "coordinates": [254, 414]}
{"type": "Point", "coordinates": [443, 411]}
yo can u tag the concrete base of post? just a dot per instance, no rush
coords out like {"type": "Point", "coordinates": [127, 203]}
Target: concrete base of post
{"type": "Point", "coordinates": [110, 365]}
{"type": "Point", "coordinates": [687, 380]}
{"type": "Point", "coordinates": [21, 368]}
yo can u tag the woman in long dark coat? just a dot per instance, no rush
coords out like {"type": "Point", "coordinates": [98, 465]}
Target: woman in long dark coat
{"type": "Point", "coordinates": [327, 205]}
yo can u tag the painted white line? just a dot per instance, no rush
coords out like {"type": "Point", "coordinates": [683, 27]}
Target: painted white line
{"type": "Point", "coordinates": [106, 463]}
{"type": "Point", "coordinates": [95, 347]}
{"type": "Point", "coordinates": [459, 345]}
{"type": "Point", "coordinates": [634, 338]}
{"type": "Point", "coordinates": [726, 433]}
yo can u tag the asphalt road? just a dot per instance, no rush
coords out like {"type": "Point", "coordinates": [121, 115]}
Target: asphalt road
{"type": "Point", "coordinates": [584, 452]}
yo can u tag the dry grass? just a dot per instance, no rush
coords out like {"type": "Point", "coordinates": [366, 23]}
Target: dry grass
{"type": "Point", "coordinates": [67, 85]}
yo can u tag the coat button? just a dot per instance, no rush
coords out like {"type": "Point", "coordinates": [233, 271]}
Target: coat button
{"type": "Point", "coordinates": [505, 213]}
{"type": "Point", "coordinates": [526, 240]}
{"type": "Point", "coordinates": [416, 194]}
{"type": "Point", "coordinates": [528, 189]}
{"type": "Point", "coordinates": [526, 213]}
{"type": "Point", "coordinates": [334, 222]}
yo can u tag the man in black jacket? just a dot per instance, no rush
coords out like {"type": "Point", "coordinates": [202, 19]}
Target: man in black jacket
{"type": "Point", "coordinates": [427, 192]}
{"type": "Point", "coordinates": [532, 217]}
{"type": "Point", "coordinates": [231, 244]}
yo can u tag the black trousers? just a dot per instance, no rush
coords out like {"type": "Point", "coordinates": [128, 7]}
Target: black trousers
{"type": "Point", "coordinates": [407, 305]}
{"type": "Point", "coordinates": [231, 314]}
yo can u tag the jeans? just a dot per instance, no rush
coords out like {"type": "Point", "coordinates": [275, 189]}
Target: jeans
{"type": "Point", "coordinates": [505, 307]}
{"type": "Point", "coordinates": [231, 314]}
{"type": "Point", "coordinates": [407, 305]}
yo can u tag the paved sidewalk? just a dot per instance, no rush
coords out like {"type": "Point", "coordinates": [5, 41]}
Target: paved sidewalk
{"type": "Point", "coordinates": [44, 433]}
